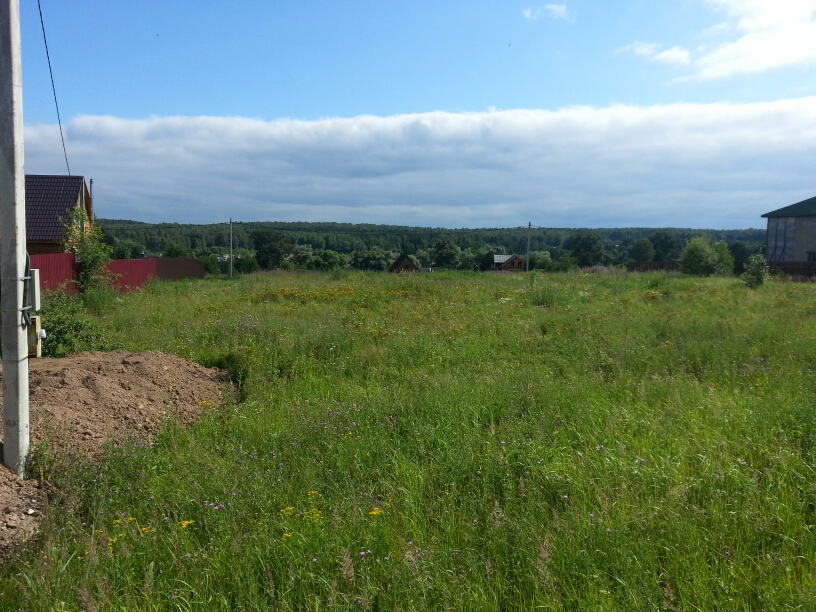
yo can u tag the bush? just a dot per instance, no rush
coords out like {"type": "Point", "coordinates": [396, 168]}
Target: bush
{"type": "Point", "coordinates": [85, 241]}
{"type": "Point", "coordinates": [171, 249]}
{"type": "Point", "coordinates": [725, 260]}
{"type": "Point", "coordinates": [701, 258]}
{"type": "Point", "coordinates": [246, 265]}
{"type": "Point", "coordinates": [756, 271]}
{"type": "Point", "coordinates": [68, 329]}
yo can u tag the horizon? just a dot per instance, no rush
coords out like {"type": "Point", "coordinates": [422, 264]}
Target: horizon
{"type": "Point", "coordinates": [453, 229]}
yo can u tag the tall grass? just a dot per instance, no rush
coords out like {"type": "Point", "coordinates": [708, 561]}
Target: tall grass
{"type": "Point", "coordinates": [455, 442]}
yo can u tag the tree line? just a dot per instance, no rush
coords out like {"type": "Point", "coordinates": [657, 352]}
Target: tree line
{"type": "Point", "coordinates": [322, 246]}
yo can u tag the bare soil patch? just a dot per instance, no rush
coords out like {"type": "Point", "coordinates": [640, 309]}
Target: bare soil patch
{"type": "Point", "coordinates": [83, 401]}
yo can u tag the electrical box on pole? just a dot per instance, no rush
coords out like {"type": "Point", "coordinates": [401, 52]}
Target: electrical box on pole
{"type": "Point", "coordinates": [14, 340]}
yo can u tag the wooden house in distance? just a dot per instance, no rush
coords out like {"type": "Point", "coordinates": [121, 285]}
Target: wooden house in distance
{"type": "Point", "coordinates": [507, 263]}
{"type": "Point", "coordinates": [49, 201]}
{"type": "Point", "coordinates": [403, 264]}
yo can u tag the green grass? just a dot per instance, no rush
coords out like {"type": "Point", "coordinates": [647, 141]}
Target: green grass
{"type": "Point", "coordinates": [455, 442]}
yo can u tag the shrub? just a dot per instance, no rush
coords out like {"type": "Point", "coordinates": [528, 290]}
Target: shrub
{"type": "Point", "coordinates": [171, 249]}
{"type": "Point", "coordinates": [725, 260]}
{"type": "Point", "coordinates": [85, 241]}
{"type": "Point", "coordinates": [756, 271]}
{"type": "Point", "coordinates": [701, 258]}
{"type": "Point", "coordinates": [68, 329]}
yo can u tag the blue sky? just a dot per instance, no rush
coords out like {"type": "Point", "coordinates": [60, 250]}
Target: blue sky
{"type": "Point", "coordinates": [697, 113]}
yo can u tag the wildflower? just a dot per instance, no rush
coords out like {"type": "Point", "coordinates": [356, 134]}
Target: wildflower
{"type": "Point", "coordinates": [288, 511]}
{"type": "Point", "coordinates": [185, 524]}
{"type": "Point", "coordinates": [314, 514]}
{"type": "Point", "coordinates": [375, 512]}
{"type": "Point", "coordinates": [313, 494]}
{"type": "Point", "coordinates": [130, 519]}
{"type": "Point", "coordinates": [287, 535]}
{"type": "Point", "coordinates": [146, 530]}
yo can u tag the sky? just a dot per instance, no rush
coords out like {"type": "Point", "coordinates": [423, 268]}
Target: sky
{"type": "Point", "coordinates": [684, 113]}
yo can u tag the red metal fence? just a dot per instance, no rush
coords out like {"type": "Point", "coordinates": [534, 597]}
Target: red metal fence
{"type": "Point", "coordinates": [56, 270]}
{"type": "Point", "coordinates": [60, 270]}
{"type": "Point", "coordinates": [132, 273]}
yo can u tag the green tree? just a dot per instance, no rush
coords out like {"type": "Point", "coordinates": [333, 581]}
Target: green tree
{"type": "Point", "coordinates": [173, 249]}
{"type": "Point", "coordinates": [587, 248]}
{"type": "Point", "coordinates": [326, 259]}
{"type": "Point", "coordinates": [725, 261]}
{"type": "Point", "coordinates": [642, 250]}
{"type": "Point", "coordinates": [739, 251]}
{"type": "Point", "coordinates": [700, 258]}
{"type": "Point", "coordinates": [246, 264]}
{"type": "Point", "coordinates": [271, 247]}
{"type": "Point", "coordinates": [85, 241]}
{"type": "Point", "coordinates": [127, 249]}
{"type": "Point", "coordinates": [667, 246]}
{"type": "Point", "coordinates": [373, 259]}
{"type": "Point", "coordinates": [756, 271]}
{"type": "Point", "coordinates": [446, 253]}
{"type": "Point", "coordinates": [541, 260]}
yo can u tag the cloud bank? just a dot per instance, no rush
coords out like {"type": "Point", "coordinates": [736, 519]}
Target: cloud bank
{"type": "Point", "coordinates": [691, 165]}
{"type": "Point", "coordinates": [760, 35]}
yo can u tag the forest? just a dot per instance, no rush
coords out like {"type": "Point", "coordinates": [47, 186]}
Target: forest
{"type": "Point", "coordinates": [317, 245]}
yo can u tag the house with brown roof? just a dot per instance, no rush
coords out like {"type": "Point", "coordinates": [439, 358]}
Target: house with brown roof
{"type": "Point", "coordinates": [49, 202]}
{"type": "Point", "coordinates": [404, 263]}
{"type": "Point", "coordinates": [507, 263]}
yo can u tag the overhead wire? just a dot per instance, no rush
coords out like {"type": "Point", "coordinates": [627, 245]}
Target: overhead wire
{"type": "Point", "coordinates": [53, 88]}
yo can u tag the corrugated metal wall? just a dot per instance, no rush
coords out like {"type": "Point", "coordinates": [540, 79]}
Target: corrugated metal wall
{"type": "Point", "coordinates": [59, 270]}
{"type": "Point", "coordinates": [56, 270]}
{"type": "Point", "coordinates": [177, 268]}
{"type": "Point", "coordinates": [132, 273]}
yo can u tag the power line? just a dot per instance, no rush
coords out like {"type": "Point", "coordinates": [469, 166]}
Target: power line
{"type": "Point", "coordinates": [53, 88]}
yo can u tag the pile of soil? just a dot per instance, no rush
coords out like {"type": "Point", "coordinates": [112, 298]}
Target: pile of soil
{"type": "Point", "coordinates": [82, 401]}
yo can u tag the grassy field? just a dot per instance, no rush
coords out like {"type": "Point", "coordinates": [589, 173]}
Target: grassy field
{"type": "Point", "coordinates": [455, 442]}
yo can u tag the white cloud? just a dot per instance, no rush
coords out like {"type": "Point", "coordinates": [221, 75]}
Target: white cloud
{"type": "Point", "coordinates": [676, 56]}
{"type": "Point", "coordinates": [639, 48]}
{"type": "Point", "coordinates": [714, 165]}
{"type": "Point", "coordinates": [764, 35]}
{"type": "Point", "coordinates": [558, 11]}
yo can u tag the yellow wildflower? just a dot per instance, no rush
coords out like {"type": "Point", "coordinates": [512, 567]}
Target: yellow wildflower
{"type": "Point", "coordinates": [288, 511]}
{"type": "Point", "coordinates": [146, 529]}
{"type": "Point", "coordinates": [375, 512]}
{"type": "Point", "coordinates": [287, 535]}
{"type": "Point", "coordinates": [185, 524]}
{"type": "Point", "coordinates": [314, 514]}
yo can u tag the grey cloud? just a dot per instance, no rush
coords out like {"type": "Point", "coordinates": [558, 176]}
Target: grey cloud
{"type": "Point", "coordinates": [715, 165]}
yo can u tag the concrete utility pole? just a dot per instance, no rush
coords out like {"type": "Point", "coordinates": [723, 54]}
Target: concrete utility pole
{"type": "Point", "coordinates": [12, 242]}
{"type": "Point", "coordinates": [529, 229]}
{"type": "Point", "coordinates": [230, 247]}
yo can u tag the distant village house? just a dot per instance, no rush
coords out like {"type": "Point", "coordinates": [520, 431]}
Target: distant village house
{"type": "Point", "coordinates": [507, 263]}
{"type": "Point", "coordinates": [404, 263]}
{"type": "Point", "coordinates": [49, 201]}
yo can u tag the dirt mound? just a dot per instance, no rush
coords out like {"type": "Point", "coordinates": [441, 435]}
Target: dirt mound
{"type": "Point", "coordinates": [82, 401]}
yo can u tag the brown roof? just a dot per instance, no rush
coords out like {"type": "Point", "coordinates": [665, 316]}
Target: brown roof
{"type": "Point", "coordinates": [49, 200]}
